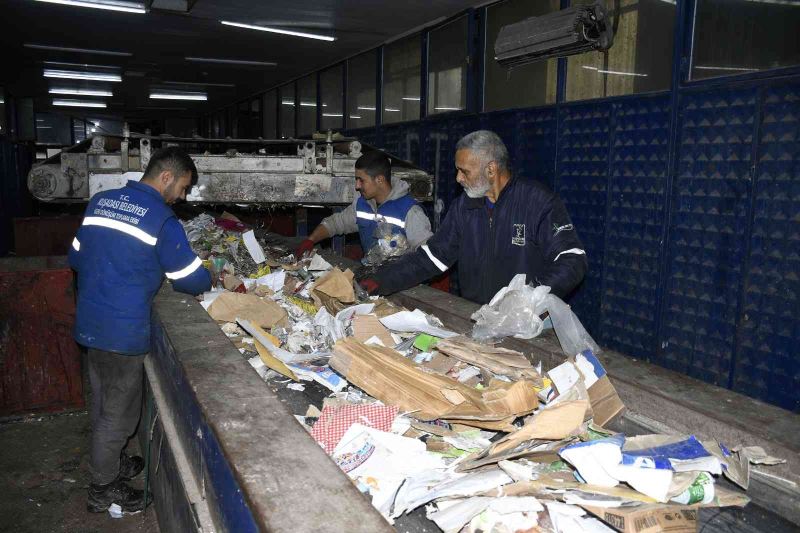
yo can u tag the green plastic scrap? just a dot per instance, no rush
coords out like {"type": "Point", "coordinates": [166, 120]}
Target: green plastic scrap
{"type": "Point", "coordinates": [425, 342]}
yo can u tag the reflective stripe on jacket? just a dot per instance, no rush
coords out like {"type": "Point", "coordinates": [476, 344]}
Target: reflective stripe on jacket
{"type": "Point", "coordinates": [392, 212]}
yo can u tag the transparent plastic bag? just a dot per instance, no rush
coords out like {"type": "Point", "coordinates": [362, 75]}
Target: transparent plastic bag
{"type": "Point", "coordinates": [516, 311]}
{"type": "Point", "coordinates": [387, 245]}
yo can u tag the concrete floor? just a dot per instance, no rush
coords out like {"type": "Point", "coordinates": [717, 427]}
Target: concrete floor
{"type": "Point", "coordinates": [44, 476]}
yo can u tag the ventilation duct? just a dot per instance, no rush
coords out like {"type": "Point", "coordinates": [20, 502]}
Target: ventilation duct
{"type": "Point", "coordinates": [563, 33]}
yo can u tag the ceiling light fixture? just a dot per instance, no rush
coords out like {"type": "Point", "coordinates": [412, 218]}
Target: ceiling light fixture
{"type": "Point", "coordinates": [287, 102]}
{"type": "Point", "coordinates": [445, 108]}
{"type": "Point", "coordinates": [411, 98]}
{"type": "Point", "coordinates": [365, 108]}
{"type": "Point", "coordinates": [77, 50]}
{"type": "Point", "coordinates": [80, 92]}
{"type": "Point", "coordinates": [197, 84]}
{"type": "Point", "coordinates": [277, 30]}
{"type": "Point", "coordinates": [78, 103]}
{"type": "Point", "coordinates": [333, 115]}
{"type": "Point", "coordinates": [390, 110]}
{"type": "Point", "coordinates": [614, 72]}
{"type": "Point", "coordinates": [308, 104]}
{"type": "Point", "coordinates": [175, 95]}
{"type": "Point", "coordinates": [74, 75]}
{"type": "Point", "coordinates": [232, 61]}
{"type": "Point", "coordinates": [355, 116]}
{"type": "Point", "coordinates": [110, 5]}
{"type": "Point", "coordinates": [736, 69]}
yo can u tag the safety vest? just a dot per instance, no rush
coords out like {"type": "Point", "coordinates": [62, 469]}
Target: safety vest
{"type": "Point", "coordinates": [392, 212]}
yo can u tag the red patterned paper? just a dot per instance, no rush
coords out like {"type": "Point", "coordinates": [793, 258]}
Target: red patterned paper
{"type": "Point", "coordinates": [335, 421]}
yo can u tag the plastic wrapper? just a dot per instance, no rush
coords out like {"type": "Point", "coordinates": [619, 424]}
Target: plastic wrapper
{"type": "Point", "coordinates": [515, 311]}
{"type": "Point", "coordinates": [388, 244]}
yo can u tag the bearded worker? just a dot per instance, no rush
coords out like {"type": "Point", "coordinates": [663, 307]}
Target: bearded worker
{"type": "Point", "coordinates": [501, 226]}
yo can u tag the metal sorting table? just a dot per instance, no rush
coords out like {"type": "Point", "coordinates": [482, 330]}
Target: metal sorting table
{"type": "Point", "coordinates": [228, 455]}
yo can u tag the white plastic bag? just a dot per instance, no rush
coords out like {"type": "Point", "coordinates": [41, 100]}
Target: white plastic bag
{"type": "Point", "coordinates": [387, 244]}
{"type": "Point", "coordinates": [515, 311]}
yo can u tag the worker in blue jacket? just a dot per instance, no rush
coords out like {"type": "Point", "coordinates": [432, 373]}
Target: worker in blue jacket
{"type": "Point", "coordinates": [380, 199]}
{"type": "Point", "coordinates": [500, 227]}
{"type": "Point", "coordinates": [128, 242]}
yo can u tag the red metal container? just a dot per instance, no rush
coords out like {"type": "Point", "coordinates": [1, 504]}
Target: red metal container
{"type": "Point", "coordinates": [40, 363]}
{"type": "Point", "coordinates": [45, 235]}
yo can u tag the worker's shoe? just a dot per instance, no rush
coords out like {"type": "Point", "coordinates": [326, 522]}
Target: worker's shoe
{"type": "Point", "coordinates": [129, 466]}
{"type": "Point", "coordinates": [129, 499]}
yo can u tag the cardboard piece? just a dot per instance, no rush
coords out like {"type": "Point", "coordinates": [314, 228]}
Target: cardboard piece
{"type": "Point", "coordinates": [230, 305]}
{"type": "Point", "coordinates": [651, 518]}
{"type": "Point", "coordinates": [393, 379]}
{"type": "Point", "coordinates": [498, 360]}
{"type": "Point", "coordinates": [270, 360]}
{"type": "Point", "coordinates": [554, 423]}
{"type": "Point", "coordinates": [334, 290]}
{"type": "Point", "coordinates": [585, 369]}
{"type": "Point", "coordinates": [231, 282]}
{"type": "Point", "coordinates": [367, 326]}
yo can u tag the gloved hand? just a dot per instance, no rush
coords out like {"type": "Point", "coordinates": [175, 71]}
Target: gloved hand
{"type": "Point", "coordinates": [370, 285]}
{"type": "Point", "coordinates": [305, 246]}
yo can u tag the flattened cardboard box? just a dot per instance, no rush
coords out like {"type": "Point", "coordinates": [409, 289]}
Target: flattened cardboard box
{"type": "Point", "coordinates": [648, 518]}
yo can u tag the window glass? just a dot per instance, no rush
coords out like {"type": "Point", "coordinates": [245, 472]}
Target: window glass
{"type": "Point", "coordinates": [52, 128]}
{"type": "Point", "coordinates": [307, 109]}
{"type": "Point", "coordinates": [640, 60]}
{"type": "Point", "coordinates": [286, 111]}
{"type": "Point", "coordinates": [524, 86]}
{"type": "Point", "coordinates": [233, 123]}
{"type": "Point", "coordinates": [740, 36]}
{"type": "Point", "coordinates": [361, 81]}
{"type": "Point", "coordinates": [401, 80]}
{"type": "Point", "coordinates": [243, 120]}
{"type": "Point", "coordinates": [3, 130]}
{"type": "Point", "coordinates": [78, 130]}
{"type": "Point", "coordinates": [330, 83]}
{"type": "Point", "coordinates": [447, 68]}
{"type": "Point", "coordinates": [270, 125]}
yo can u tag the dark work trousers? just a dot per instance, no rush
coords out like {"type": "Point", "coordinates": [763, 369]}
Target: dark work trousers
{"type": "Point", "coordinates": [116, 382]}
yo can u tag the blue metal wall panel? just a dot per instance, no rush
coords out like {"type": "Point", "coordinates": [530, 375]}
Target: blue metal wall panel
{"type": "Point", "coordinates": [708, 221]}
{"type": "Point", "coordinates": [535, 155]}
{"type": "Point", "coordinates": [530, 136]}
{"type": "Point", "coordinates": [401, 140]}
{"type": "Point", "coordinates": [581, 181]}
{"type": "Point", "coordinates": [767, 364]}
{"type": "Point", "coordinates": [637, 183]}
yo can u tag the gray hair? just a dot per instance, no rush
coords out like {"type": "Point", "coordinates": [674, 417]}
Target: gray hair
{"type": "Point", "coordinates": [487, 145]}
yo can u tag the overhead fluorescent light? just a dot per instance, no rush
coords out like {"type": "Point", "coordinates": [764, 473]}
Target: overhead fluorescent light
{"type": "Point", "coordinates": [355, 116]}
{"type": "Point", "coordinates": [308, 104]}
{"type": "Point", "coordinates": [77, 50]}
{"type": "Point", "coordinates": [365, 108]}
{"type": "Point", "coordinates": [78, 103]}
{"type": "Point", "coordinates": [198, 84]}
{"type": "Point", "coordinates": [287, 102]}
{"type": "Point", "coordinates": [445, 108]}
{"type": "Point", "coordinates": [80, 92]}
{"type": "Point", "coordinates": [110, 5]}
{"type": "Point", "coordinates": [232, 61]}
{"type": "Point", "coordinates": [175, 95]}
{"type": "Point", "coordinates": [333, 115]}
{"type": "Point", "coordinates": [733, 69]}
{"type": "Point", "coordinates": [80, 65]}
{"type": "Point", "coordinates": [614, 72]}
{"type": "Point", "coordinates": [411, 98]}
{"type": "Point", "coordinates": [75, 75]}
{"type": "Point", "coordinates": [278, 30]}
{"type": "Point", "coordinates": [390, 110]}
{"type": "Point", "coordinates": [44, 127]}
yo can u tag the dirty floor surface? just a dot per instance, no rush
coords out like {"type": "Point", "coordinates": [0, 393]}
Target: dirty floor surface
{"type": "Point", "coordinates": [44, 476]}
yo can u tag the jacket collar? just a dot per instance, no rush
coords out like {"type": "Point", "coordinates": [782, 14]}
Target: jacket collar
{"type": "Point", "coordinates": [145, 188]}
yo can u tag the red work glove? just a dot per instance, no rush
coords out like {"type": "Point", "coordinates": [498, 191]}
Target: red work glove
{"type": "Point", "coordinates": [305, 246]}
{"type": "Point", "coordinates": [369, 285]}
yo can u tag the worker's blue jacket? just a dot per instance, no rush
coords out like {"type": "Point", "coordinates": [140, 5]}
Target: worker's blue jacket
{"type": "Point", "coordinates": [393, 212]}
{"type": "Point", "coordinates": [129, 240]}
{"type": "Point", "coordinates": [527, 231]}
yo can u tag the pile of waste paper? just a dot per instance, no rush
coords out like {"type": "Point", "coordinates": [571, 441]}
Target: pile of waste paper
{"type": "Point", "coordinates": [475, 435]}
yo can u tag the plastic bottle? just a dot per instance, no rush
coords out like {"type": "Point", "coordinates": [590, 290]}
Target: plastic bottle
{"type": "Point", "coordinates": [700, 491]}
